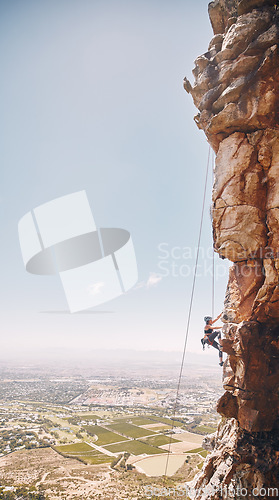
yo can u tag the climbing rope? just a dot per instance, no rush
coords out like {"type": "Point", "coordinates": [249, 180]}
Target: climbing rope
{"type": "Point", "coordinates": [190, 309]}
{"type": "Point", "coordinates": [213, 253]}
{"type": "Point", "coordinates": [213, 285]}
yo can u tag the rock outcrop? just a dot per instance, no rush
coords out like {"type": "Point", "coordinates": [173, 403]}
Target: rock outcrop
{"type": "Point", "coordinates": [236, 91]}
{"type": "Point", "coordinates": [241, 465]}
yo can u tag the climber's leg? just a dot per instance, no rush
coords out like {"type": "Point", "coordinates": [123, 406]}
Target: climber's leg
{"type": "Point", "coordinates": [217, 346]}
{"type": "Point", "coordinates": [221, 362]}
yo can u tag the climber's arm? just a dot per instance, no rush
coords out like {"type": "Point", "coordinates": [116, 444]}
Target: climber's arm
{"type": "Point", "coordinates": [216, 319]}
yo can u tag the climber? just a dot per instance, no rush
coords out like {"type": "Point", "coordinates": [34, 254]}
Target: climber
{"type": "Point", "coordinates": [210, 334]}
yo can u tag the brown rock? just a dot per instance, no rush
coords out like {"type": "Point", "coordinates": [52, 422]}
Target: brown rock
{"type": "Point", "coordinates": [236, 90]}
{"type": "Point", "coordinates": [236, 85]}
{"type": "Point", "coordinates": [239, 232]}
{"type": "Point", "coordinates": [251, 374]}
{"type": "Point", "coordinates": [263, 41]}
{"type": "Point", "coordinates": [240, 461]}
{"type": "Point", "coordinates": [219, 12]}
{"type": "Point", "coordinates": [245, 30]}
{"type": "Point", "coordinates": [266, 304]}
{"type": "Point", "coordinates": [227, 346]}
{"type": "Point", "coordinates": [216, 42]}
{"type": "Point", "coordinates": [245, 6]}
{"type": "Point", "coordinates": [208, 99]}
{"type": "Point", "coordinates": [273, 176]}
{"type": "Point", "coordinates": [243, 65]}
{"type": "Point", "coordinates": [234, 156]}
{"type": "Point", "coordinates": [245, 279]}
{"type": "Point", "coordinates": [265, 156]}
{"type": "Point", "coordinates": [232, 93]}
{"type": "Point", "coordinates": [248, 419]}
{"type": "Point", "coordinates": [272, 221]}
{"type": "Point", "coordinates": [209, 442]}
{"type": "Point", "coordinates": [227, 405]}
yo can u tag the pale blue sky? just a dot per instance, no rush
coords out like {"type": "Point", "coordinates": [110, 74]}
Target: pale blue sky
{"type": "Point", "coordinates": [92, 98]}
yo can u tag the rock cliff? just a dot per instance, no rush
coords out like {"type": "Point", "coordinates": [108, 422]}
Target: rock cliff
{"type": "Point", "coordinates": [236, 91]}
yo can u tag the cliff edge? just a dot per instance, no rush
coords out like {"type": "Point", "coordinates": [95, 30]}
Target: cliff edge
{"type": "Point", "coordinates": [236, 91]}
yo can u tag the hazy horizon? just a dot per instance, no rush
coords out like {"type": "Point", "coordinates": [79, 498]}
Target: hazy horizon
{"type": "Point", "coordinates": [112, 358]}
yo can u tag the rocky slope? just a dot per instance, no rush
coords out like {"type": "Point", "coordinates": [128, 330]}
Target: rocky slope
{"type": "Point", "coordinates": [236, 91]}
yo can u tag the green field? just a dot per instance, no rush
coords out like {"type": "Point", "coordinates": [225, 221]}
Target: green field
{"type": "Point", "coordinates": [160, 440]}
{"type": "Point", "coordinates": [104, 436]}
{"type": "Point", "coordinates": [74, 420]}
{"type": "Point", "coordinates": [204, 429]}
{"type": "Point", "coordinates": [204, 453]}
{"type": "Point", "coordinates": [140, 420]}
{"type": "Point", "coordinates": [74, 448]}
{"type": "Point", "coordinates": [96, 458]}
{"type": "Point", "coordinates": [88, 416]}
{"type": "Point", "coordinates": [201, 452]}
{"type": "Point", "coordinates": [130, 430]}
{"type": "Point", "coordinates": [84, 452]}
{"type": "Point", "coordinates": [196, 450]}
{"type": "Point", "coordinates": [160, 428]}
{"type": "Point", "coordinates": [134, 447]}
{"type": "Point", "coordinates": [166, 420]}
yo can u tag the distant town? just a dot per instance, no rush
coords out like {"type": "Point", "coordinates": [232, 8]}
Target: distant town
{"type": "Point", "coordinates": [113, 421]}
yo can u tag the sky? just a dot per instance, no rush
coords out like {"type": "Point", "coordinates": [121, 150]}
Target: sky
{"type": "Point", "coordinates": [92, 99]}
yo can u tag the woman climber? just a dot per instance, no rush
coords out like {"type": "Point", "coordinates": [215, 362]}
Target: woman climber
{"type": "Point", "coordinates": [210, 334]}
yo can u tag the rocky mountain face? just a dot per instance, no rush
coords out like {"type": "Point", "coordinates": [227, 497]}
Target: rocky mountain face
{"type": "Point", "coordinates": [236, 91]}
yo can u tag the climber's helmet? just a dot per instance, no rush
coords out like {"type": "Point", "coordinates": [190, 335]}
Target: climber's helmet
{"type": "Point", "coordinates": [207, 319]}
